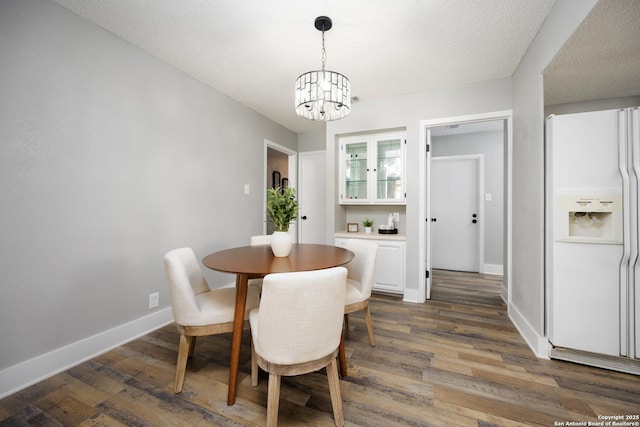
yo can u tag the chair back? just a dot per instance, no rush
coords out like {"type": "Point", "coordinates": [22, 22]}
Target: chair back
{"type": "Point", "coordinates": [362, 266]}
{"type": "Point", "coordinates": [300, 316]}
{"type": "Point", "coordinates": [263, 239]}
{"type": "Point", "coordinates": [186, 281]}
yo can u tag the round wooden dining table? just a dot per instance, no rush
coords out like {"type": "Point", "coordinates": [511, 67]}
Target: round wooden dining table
{"type": "Point", "coordinates": [250, 262]}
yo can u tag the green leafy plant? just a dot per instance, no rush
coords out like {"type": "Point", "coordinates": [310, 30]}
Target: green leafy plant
{"type": "Point", "coordinates": [368, 222]}
{"type": "Point", "coordinates": [282, 207]}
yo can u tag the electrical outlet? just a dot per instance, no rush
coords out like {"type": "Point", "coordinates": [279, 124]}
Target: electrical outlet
{"type": "Point", "coordinates": [154, 300]}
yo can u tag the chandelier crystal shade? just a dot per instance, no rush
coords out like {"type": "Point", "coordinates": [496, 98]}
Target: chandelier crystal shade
{"type": "Point", "coordinates": [322, 94]}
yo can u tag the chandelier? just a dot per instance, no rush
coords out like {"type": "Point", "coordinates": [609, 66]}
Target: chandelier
{"type": "Point", "coordinates": [320, 94]}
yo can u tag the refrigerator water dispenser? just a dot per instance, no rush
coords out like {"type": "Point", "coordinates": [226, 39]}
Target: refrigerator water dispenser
{"type": "Point", "coordinates": [588, 216]}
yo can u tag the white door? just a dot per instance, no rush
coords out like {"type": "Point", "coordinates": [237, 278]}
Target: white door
{"type": "Point", "coordinates": [312, 197]}
{"type": "Point", "coordinates": [455, 213]}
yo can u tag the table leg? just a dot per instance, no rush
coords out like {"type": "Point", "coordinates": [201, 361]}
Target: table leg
{"type": "Point", "coordinates": [342, 357]}
{"type": "Point", "coordinates": [236, 340]}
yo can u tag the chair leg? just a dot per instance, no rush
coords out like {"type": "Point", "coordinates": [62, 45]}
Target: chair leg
{"type": "Point", "coordinates": [367, 317]}
{"type": "Point", "coordinates": [254, 366]}
{"type": "Point", "coordinates": [192, 346]}
{"type": "Point", "coordinates": [273, 400]}
{"type": "Point", "coordinates": [334, 390]}
{"type": "Point", "coordinates": [342, 356]}
{"type": "Point", "coordinates": [181, 364]}
{"type": "Point", "coordinates": [346, 321]}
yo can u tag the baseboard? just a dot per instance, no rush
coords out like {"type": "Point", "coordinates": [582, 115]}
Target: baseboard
{"type": "Point", "coordinates": [538, 344]}
{"type": "Point", "coordinates": [496, 269]}
{"type": "Point", "coordinates": [29, 372]}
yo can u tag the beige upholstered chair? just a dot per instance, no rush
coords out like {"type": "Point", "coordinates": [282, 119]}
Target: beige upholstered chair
{"type": "Point", "coordinates": [297, 330]}
{"type": "Point", "coordinates": [198, 310]}
{"type": "Point", "coordinates": [360, 281]}
{"type": "Point", "coordinates": [262, 239]}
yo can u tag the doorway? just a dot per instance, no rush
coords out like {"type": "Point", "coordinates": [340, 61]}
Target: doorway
{"type": "Point", "coordinates": [280, 171]}
{"type": "Point", "coordinates": [489, 198]}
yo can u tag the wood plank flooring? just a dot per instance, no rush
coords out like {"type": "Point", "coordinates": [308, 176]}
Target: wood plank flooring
{"type": "Point", "coordinates": [454, 361]}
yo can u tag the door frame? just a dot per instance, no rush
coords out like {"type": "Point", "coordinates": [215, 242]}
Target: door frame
{"type": "Point", "coordinates": [424, 205]}
{"type": "Point", "coordinates": [479, 159]}
{"type": "Point", "coordinates": [293, 181]}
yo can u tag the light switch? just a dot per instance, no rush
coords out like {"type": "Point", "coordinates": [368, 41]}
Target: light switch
{"type": "Point", "coordinates": [488, 197]}
{"type": "Point", "coordinates": [246, 189]}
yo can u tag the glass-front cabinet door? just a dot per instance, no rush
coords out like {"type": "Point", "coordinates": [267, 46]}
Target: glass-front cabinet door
{"type": "Point", "coordinates": [389, 167]}
{"type": "Point", "coordinates": [372, 169]}
{"type": "Point", "coordinates": [356, 170]}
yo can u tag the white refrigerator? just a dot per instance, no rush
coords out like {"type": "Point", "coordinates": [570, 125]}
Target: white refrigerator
{"type": "Point", "coordinates": [592, 235]}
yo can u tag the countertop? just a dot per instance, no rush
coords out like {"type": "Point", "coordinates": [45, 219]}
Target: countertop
{"type": "Point", "coordinates": [373, 236]}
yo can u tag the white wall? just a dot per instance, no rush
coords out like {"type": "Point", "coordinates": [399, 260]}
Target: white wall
{"type": "Point", "coordinates": [526, 300]}
{"type": "Point", "coordinates": [378, 213]}
{"type": "Point", "coordinates": [314, 140]}
{"type": "Point", "coordinates": [406, 112]}
{"type": "Point", "coordinates": [108, 159]}
{"type": "Point", "coordinates": [491, 145]}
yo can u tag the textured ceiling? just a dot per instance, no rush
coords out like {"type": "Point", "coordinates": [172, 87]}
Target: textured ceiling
{"type": "Point", "coordinates": [253, 50]}
{"type": "Point", "coordinates": [601, 59]}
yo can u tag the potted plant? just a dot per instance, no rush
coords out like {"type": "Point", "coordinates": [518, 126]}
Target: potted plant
{"type": "Point", "coordinates": [282, 210]}
{"type": "Point", "coordinates": [367, 224]}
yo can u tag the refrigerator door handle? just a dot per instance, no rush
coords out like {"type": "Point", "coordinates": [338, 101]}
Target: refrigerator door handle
{"type": "Point", "coordinates": [624, 167]}
{"type": "Point", "coordinates": [634, 272]}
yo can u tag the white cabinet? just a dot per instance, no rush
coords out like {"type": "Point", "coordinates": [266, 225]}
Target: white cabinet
{"type": "Point", "coordinates": [372, 169]}
{"type": "Point", "coordinates": [390, 265]}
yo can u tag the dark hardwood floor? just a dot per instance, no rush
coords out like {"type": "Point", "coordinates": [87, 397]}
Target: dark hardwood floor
{"type": "Point", "coordinates": [454, 361]}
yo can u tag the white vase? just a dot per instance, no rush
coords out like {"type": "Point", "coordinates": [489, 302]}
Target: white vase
{"type": "Point", "coordinates": [281, 243]}
{"type": "Point", "coordinates": [368, 230]}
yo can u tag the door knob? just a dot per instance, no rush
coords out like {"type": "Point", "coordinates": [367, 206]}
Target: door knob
{"type": "Point", "coordinates": [434, 219]}
{"type": "Point", "coordinates": [474, 215]}
{"type": "Point", "coordinates": [304, 217]}
{"type": "Point", "coordinates": [474, 221]}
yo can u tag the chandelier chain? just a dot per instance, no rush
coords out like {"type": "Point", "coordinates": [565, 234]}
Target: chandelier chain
{"type": "Point", "coordinates": [324, 52]}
